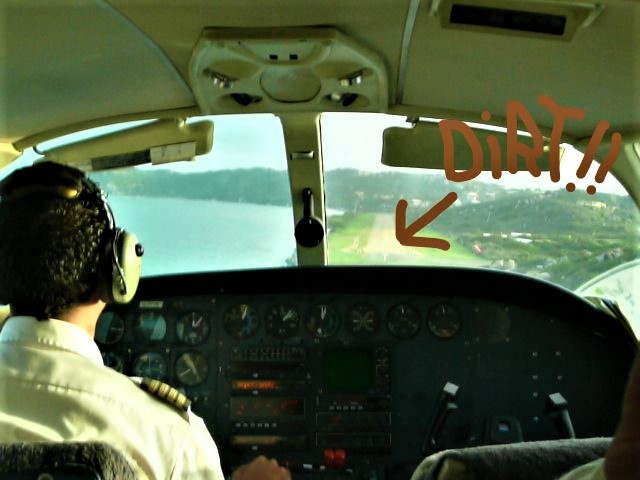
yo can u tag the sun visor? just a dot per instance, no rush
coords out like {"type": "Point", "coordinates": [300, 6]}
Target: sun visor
{"type": "Point", "coordinates": [423, 146]}
{"type": "Point", "coordinates": [163, 141]}
{"type": "Point", "coordinates": [7, 154]}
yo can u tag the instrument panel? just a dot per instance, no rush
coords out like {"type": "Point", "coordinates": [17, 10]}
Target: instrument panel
{"type": "Point", "coordinates": [333, 375]}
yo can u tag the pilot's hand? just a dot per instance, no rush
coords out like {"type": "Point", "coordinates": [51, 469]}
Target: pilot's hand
{"type": "Point", "coordinates": [622, 460]}
{"type": "Point", "coordinates": [261, 468]}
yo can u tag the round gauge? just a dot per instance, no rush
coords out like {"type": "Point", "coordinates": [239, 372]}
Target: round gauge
{"type": "Point", "coordinates": [444, 320]}
{"type": "Point", "coordinates": [150, 325]}
{"type": "Point", "coordinates": [323, 321]}
{"type": "Point", "coordinates": [282, 321]}
{"type": "Point", "coordinates": [150, 364]}
{"type": "Point", "coordinates": [113, 360]}
{"type": "Point", "coordinates": [192, 368]}
{"type": "Point", "coordinates": [362, 321]}
{"type": "Point", "coordinates": [241, 321]}
{"type": "Point", "coordinates": [403, 321]}
{"type": "Point", "coordinates": [110, 328]}
{"type": "Point", "coordinates": [192, 328]}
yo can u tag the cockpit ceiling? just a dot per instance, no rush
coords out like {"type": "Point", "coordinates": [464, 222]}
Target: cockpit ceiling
{"type": "Point", "coordinates": [604, 57]}
{"type": "Point", "coordinates": [85, 62]}
{"type": "Point", "coordinates": [74, 63]}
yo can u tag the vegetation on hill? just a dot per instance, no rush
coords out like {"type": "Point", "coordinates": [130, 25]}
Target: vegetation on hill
{"type": "Point", "coordinates": [564, 237]}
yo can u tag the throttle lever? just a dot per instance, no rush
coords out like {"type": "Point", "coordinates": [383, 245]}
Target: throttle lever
{"type": "Point", "coordinates": [558, 410]}
{"type": "Point", "coordinates": [446, 405]}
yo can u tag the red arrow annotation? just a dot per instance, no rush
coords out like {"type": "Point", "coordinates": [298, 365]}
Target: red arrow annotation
{"type": "Point", "coordinates": [406, 233]}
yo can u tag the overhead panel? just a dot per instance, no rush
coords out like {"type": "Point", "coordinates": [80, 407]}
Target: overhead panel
{"type": "Point", "coordinates": [378, 24]}
{"type": "Point", "coordinates": [286, 70]}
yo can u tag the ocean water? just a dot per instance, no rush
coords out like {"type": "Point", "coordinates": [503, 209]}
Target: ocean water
{"type": "Point", "coordinates": [181, 235]}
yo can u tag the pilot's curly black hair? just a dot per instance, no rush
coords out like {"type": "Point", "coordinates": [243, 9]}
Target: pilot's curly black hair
{"type": "Point", "coordinates": [51, 241]}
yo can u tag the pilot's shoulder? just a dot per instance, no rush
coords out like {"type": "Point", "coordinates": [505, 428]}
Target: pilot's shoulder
{"type": "Point", "coordinates": [164, 392]}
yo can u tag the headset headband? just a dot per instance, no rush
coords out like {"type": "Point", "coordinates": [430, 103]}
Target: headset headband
{"type": "Point", "coordinates": [62, 180]}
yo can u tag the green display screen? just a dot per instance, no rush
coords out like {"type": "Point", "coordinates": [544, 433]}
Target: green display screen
{"type": "Point", "coordinates": [347, 370]}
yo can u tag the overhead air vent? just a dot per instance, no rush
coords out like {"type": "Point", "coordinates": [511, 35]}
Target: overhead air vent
{"type": "Point", "coordinates": [549, 19]}
{"type": "Point", "coordinates": [302, 69]}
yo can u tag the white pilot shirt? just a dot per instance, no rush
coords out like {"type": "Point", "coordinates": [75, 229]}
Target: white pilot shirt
{"type": "Point", "coordinates": [55, 387]}
{"type": "Point", "coordinates": [589, 471]}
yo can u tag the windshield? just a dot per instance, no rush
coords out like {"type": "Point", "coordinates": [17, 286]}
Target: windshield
{"type": "Point", "coordinates": [518, 223]}
{"type": "Point", "coordinates": [231, 208]}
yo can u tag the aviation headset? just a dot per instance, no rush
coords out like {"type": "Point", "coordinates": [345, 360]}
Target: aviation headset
{"type": "Point", "coordinates": [121, 252]}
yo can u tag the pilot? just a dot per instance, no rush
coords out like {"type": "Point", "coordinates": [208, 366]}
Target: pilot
{"type": "Point", "coordinates": [62, 259]}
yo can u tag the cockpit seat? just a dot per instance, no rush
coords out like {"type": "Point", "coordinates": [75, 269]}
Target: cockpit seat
{"type": "Point", "coordinates": [63, 461]}
{"type": "Point", "coordinates": [543, 460]}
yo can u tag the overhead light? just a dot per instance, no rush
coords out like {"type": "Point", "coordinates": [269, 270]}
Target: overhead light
{"type": "Point", "coordinates": [219, 80]}
{"type": "Point", "coordinates": [352, 79]}
{"type": "Point", "coordinates": [344, 99]}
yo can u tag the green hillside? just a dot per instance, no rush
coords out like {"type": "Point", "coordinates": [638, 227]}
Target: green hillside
{"type": "Point", "coordinates": [564, 237]}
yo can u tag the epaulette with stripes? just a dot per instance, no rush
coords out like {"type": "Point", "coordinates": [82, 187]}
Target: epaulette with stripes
{"type": "Point", "coordinates": [167, 393]}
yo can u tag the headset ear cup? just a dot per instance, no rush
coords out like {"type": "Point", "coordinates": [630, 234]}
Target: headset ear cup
{"type": "Point", "coordinates": [127, 265]}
